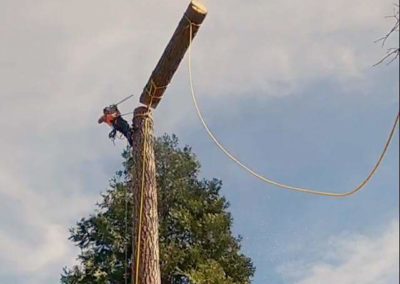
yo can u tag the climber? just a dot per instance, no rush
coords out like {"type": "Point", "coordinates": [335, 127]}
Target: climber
{"type": "Point", "coordinates": [113, 118]}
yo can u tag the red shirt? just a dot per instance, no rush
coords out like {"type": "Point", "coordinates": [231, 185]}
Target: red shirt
{"type": "Point", "coordinates": [109, 118]}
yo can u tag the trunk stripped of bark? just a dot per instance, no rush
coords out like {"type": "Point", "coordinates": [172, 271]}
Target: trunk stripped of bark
{"type": "Point", "coordinates": [144, 171]}
{"type": "Point", "coordinates": [173, 54]}
{"type": "Point", "coordinates": [146, 258]}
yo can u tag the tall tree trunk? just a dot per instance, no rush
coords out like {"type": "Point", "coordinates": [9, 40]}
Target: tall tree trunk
{"type": "Point", "coordinates": [146, 258]}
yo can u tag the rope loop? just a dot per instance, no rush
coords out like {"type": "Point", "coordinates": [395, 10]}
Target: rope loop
{"type": "Point", "coordinates": [153, 89]}
{"type": "Point", "coordinates": [268, 180]}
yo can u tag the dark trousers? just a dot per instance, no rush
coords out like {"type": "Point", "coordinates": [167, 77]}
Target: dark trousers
{"type": "Point", "coordinates": [122, 126]}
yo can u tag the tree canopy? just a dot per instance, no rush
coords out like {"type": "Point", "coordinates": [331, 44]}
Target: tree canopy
{"type": "Point", "coordinates": [196, 241]}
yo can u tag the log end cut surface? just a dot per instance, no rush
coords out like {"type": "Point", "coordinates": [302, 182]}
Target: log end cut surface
{"type": "Point", "coordinates": [199, 7]}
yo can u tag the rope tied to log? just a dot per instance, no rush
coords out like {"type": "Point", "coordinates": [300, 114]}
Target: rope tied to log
{"type": "Point", "coordinates": [154, 86]}
{"type": "Point", "coordinates": [148, 106]}
{"type": "Point", "coordinates": [191, 23]}
{"type": "Point", "coordinates": [152, 92]}
{"type": "Point", "coordinates": [268, 180]}
{"type": "Point", "coordinates": [147, 114]}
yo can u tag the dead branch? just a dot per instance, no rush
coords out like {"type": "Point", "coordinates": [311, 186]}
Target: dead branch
{"type": "Point", "coordinates": [391, 53]}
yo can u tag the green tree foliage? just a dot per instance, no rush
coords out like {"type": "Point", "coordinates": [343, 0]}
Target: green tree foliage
{"type": "Point", "coordinates": [196, 241]}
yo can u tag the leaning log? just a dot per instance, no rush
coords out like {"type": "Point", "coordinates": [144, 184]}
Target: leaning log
{"type": "Point", "coordinates": [173, 54]}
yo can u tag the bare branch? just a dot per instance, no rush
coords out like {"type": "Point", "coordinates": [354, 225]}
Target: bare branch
{"type": "Point", "coordinates": [392, 53]}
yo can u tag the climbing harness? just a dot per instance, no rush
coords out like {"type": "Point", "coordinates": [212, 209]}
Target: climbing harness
{"type": "Point", "coordinates": [266, 179]}
{"type": "Point", "coordinates": [112, 135]}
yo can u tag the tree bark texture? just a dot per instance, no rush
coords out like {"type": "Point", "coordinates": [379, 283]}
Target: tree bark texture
{"type": "Point", "coordinates": [173, 54]}
{"type": "Point", "coordinates": [145, 219]}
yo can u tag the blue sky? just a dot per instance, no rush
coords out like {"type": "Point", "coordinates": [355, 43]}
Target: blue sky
{"type": "Point", "coordinates": [288, 87]}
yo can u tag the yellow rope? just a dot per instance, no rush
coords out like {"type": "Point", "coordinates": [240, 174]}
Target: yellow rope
{"type": "Point", "coordinates": [268, 180]}
{"type": "Point", "coordinates": [126, 237]}
{"type": "Point", "coordinates": [152, 91]}
{"type": "Point", "coordinates": [139, 235]}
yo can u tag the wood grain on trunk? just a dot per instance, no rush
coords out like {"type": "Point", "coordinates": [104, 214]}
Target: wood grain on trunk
{"type": "Point", "coordinates": [143, 155]}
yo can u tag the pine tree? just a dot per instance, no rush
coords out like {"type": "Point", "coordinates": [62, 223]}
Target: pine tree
{"type": "Point", "coordinates": [196, 242]}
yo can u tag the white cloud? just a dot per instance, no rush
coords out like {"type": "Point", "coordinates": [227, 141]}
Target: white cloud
{"type": "Point", "coordinates": [34, 222]}
{"type": "Point", "coordinates": [21, 257]}
{"type": "Point", "coordinates": [63, 58]}
{"type": "Point", "coordinates": [273, 43]}
{"type": "Point", "coordinates": [70, 51]}
{"type": "Point", "coordinates": [61, 61]}
{"type": "Point", "coordinates": [351, 259]}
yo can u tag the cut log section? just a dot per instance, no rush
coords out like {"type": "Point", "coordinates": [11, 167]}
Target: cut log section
{"type": "Point", "coordinates": [173, 54]}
